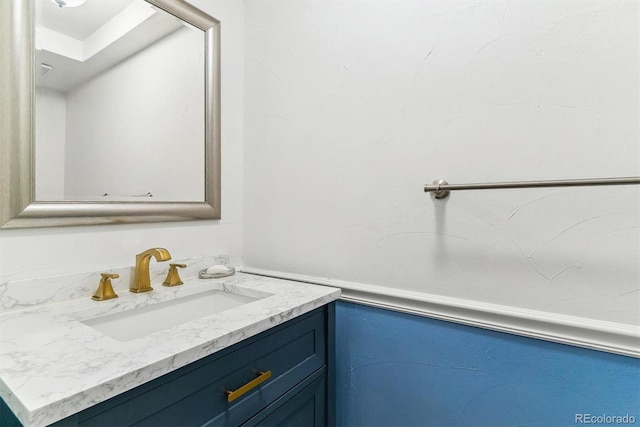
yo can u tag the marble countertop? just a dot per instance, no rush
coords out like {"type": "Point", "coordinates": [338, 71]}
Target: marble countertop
{"type": "Point", "coordinates": [53, 365]}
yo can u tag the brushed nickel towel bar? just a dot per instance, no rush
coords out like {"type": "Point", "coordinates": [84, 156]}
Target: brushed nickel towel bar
{"type": "Point", "coordinates": [440, 188]}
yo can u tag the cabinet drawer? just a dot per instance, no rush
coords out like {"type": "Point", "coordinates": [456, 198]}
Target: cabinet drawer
{"type": "Point", "coordinates": [305, 405]}
{"type": "Point", "coordinates": [197, 393]}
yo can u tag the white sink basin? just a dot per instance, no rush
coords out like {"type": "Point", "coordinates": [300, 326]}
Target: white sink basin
{"type": "Point", "coordinates": [142, 321]}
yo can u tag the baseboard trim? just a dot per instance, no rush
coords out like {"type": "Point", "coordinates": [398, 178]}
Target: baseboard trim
{"type": "Point", "coordinates": [577, 331]}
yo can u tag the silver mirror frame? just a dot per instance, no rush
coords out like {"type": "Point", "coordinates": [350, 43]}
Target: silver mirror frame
{"type": "Point", "coordinates": [18, 207]}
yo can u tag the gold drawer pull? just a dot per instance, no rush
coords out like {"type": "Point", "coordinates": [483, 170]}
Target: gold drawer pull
{"type": "Point", "coordinates": [262, 377]}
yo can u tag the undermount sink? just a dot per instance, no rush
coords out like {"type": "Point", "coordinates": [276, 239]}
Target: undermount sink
{"type": "Point", "coordinates": [142, 321]}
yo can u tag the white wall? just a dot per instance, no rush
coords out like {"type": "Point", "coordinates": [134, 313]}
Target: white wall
{"type": "Point", "coordinates": [352, 106]}
{"type": "Point", "coordinates": [137, 127]}
{"type": "Point", "coordinates": [51, 107]}
{"type": "Point", "coordinates": [39, 252]}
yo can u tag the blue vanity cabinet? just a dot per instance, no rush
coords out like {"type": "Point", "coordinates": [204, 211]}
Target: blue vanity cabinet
{"type": "Point", "coordinates": [304, 406]}
{"type": "Point", "coordinates": [297, 354]}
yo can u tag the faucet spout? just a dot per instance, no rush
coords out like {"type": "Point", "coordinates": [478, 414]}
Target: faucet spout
{"type": "Point", "coordinates": [141, 279]}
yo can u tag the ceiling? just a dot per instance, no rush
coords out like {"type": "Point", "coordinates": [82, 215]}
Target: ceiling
{"type": "Point", "coordinates": [77, 22]}
{"type": "Point", "coordinates": [87, 40]}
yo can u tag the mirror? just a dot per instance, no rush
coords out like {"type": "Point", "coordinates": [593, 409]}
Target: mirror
{"type": "Point", "coordinates": [126, 100]}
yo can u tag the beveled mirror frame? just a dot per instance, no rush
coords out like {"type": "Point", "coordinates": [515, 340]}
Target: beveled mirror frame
{"type": "Point", "coordinates": [18, 207]}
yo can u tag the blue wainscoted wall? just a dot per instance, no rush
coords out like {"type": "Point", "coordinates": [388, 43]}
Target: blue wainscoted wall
{"type": "Point", "coordinates": [395, 369]}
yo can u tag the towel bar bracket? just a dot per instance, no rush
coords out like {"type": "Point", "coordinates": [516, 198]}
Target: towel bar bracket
{"type": "Point", "coordinates": [438, 193]}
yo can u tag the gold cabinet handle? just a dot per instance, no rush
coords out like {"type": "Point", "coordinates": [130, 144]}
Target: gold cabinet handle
{"type": "Point", "coordinates": [262, 377]}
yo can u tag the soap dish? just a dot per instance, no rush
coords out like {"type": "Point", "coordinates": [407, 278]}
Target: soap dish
{"type": "Point", "coordinates": [218, 274]}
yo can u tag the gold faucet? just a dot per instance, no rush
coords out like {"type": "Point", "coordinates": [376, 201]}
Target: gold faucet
{"type": "Point", "coordinates": [105, 289]}
{"type": "Point", "coordinates": [173, 278]}
{"type": "Point", "coordinates": [141, 279]}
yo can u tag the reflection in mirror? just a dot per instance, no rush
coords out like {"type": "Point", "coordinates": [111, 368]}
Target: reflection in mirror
{"type": "Point", "coordinates": [129, 92]}
{"type": "Point", "coordinates": [120, 103]}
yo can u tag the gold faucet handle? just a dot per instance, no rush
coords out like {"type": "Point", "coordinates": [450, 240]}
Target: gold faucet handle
{"type": "Point", "coordinates": [105, 289]}
{"type": "Point", "coordinates": [173, 278]}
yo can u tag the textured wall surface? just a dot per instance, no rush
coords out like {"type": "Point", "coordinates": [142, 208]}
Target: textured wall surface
{"type": "Point", "coordinates": [395, 369]}
{"type": "Point", "coordinates": [352, 106]}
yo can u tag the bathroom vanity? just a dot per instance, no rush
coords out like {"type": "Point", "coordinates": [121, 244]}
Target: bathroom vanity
{"type": "Point", "coordinates": [266, 361]}
{"type": "Point", "coordinates": [291, 358]}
